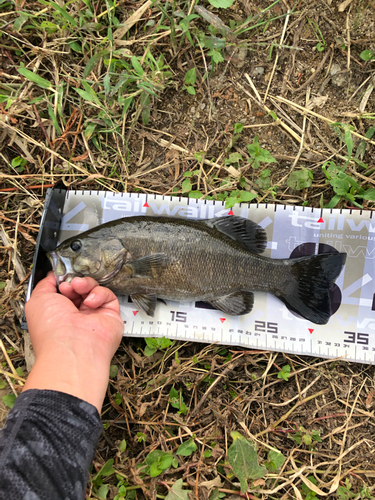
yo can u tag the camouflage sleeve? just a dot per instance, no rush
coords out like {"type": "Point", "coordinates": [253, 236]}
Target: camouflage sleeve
{"type": "Point", "coordinates": [46, 447]}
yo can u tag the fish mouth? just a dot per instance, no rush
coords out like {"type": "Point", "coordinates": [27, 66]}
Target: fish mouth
{"type": "Point", "coordinates": [62, 268]}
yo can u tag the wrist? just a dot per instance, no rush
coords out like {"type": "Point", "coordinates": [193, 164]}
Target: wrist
{"type": "Point", "coordinates": [78, 368]}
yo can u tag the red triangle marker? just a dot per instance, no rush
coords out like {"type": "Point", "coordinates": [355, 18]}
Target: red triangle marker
{"type": "Point", "coordinates": [135, 313]}
{"type": "Point", "coordinates": [230, 212]}
{"type": "Point", "coordinates": [311, 330]}
{"type": "Point", "coordinates": [146, 205]}
{"type": "Point", "coordinates": [222, 319]}
{"type": "Point", "coordinates": [320, 220]}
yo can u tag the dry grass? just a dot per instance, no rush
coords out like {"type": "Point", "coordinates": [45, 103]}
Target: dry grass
{"type": "Point", "coordinates": [127, 129]}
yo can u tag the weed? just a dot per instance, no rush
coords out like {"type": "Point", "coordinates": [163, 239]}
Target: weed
{"type": "Point", "coordinates": [284, 373]}
{"type": "Point", "coordinates": [19, 163]}
{"type": "Point", "coordinates": [263, 180]}
{"type": "Point", "coordinates": [302, 435]}
{"type": "Point", "coordinates": [300, 179]}
{"type": "Point", "coordinates": [153, 344]}
{"type": "Point", "coordinates": [9, 400]}
{"type": "Point", "coordinates": [221, 4]}
{"type": "Point", "coordinates": [234, 159]}
{"type": "Point", "coordinates": [187, 448]}
{"type": "Point", "coordinates": [367, 55]}
{"type": "Point", "coordinates": [122, 446]}
{"type": "Point", "coordinates": [309, 494]}
{"type": "Point", "coordinates": [190, 78]}
{"type": "Point", "coordinates": [259, 155]}
{"type": "Point", "coordinates": [237, 130]}
{"type": "Point", "coordinates": [141, 437]}
{"type": "Point", "coordinates": [344, 131]}
{"type": "Point", "coordinates": [238, 196]}
{"type": "Point", "coordinates": [345, 186]}
{"type": "Point", "coordinates": [275, 460]}
{"type": "Point", "coordinates": [113, 371]}
{"type": "Point", "coordinates": [97, 481]}
{"type": "Point", "coordinates": [321, 45]}
{"type": "Point", "coordinates": [243, 459]}
{"type": "Point", "coordinates": [156, 462]}
{"type": "Point", "coordinates": [176, 401]}
{"type": "Point", "coordinates": [344, 493]}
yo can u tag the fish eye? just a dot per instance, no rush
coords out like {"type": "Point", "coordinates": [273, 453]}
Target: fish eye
{"type": "Point", "coordinates": [76, 245]}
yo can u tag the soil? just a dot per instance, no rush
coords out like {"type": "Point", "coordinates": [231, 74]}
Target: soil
{"type": "Point", "coordinates": [322, 418]}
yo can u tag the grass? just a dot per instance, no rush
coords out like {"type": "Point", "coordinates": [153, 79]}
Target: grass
{"type": "Point", "coordinates": [163, 97]}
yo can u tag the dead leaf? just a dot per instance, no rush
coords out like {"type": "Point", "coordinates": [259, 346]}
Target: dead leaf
{"type": "Point", "coordinates": [90, 177]}
{"type": "Point", "coordinates": [142, 409]}
{"type": "Point", "coordinates": [27, 236]}
{"type": "Point", "coordinates": [214, 483]}
{"type": "Point", "coordinates": [217, 452]}
{"type": "Point", "coordinates": [259, 482]}
{"type": "Point", "coordinates": [343, 5]}
{"type": "Point", "coordinates": [370, 398]}
{"type": "Point", "coordinates": [317, 102]}
{"type": "Point", "coordinates": [29, 353]}
{"type": "Point", "coordinates": [138, 360]}
{"type": "Point", "coordinates": [81, 158]}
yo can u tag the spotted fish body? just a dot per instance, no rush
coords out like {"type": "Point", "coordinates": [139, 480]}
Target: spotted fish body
{"type": "Point", "coordinates": [217, 261]}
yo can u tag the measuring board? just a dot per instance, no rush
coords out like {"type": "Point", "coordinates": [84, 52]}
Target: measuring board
{"type": "Point", "coordinates": [291, 232]}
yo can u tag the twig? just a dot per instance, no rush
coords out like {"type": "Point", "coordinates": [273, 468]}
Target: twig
{"type": "Point", "coordinates": [13, 375]}
{"type": "Point", "coordinates": [228, 369]}
{"type": "Point", "coordinates": [134, 18]}
{"type": "Point", "coordinates": [348, 44]}
{"type": "Point", "coordinates": [286, 415]}
{"type": "Point", "coordinates": [314, 75]}
{"type": "Point", "coordinates": [39, 186]}
{"type": "Point", "coordinates": [16, 261]}
{"type": "Point", "coordinates": [277, 56]}
{"type": "Point", "coordinates": [32, 228]}
{"type": "Point", "coordinates": [343, 5]}
{"type": "Point", "coordinates": [310, 112]}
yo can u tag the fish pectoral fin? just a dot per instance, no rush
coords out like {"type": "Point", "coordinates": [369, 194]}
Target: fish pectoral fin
{"type": "Point", "coordinates": [235, 303]}
{"type": "Point", "coordinates": [146, 303]}
{"type": "Point", "coordinates": [252, 236]}
{"type": "Point", "coordinates": [150, 266]}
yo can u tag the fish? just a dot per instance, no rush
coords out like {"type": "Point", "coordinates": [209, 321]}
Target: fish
{"type": "Point", "coordinates": [217, 261]}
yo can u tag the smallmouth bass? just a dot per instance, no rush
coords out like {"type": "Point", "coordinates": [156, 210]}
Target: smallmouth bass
{"type": "Point", "coordinates": [217, 261]}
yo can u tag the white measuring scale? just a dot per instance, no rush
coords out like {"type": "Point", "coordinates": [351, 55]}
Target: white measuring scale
{"type": "Point", "coordinates": [291, 232]}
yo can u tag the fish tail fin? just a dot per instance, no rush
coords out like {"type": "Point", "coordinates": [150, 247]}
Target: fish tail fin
{"type": "Point", "coordinates": [308, 291]}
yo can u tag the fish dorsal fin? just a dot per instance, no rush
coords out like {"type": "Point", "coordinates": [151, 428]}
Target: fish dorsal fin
{"type": "Point", "coordinates": [252, 236]}
{"type": "Point", "coordinates": [235, 303]}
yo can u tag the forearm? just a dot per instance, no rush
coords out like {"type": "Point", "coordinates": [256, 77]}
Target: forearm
{"type": "Point", "coordinates": [47, 446]}
{"type": "Point", "coordinates": [76, 368]}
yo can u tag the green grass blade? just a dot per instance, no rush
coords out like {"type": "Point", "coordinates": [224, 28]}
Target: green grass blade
{"type": "Point", "coordinates": [38, 80]}
{"type": "Point", "coordinates": [54, 119]}
{"type": "Point", "coordinates": [87, 96]}
{"type": "Point", "coordinates": [63, 12]}
{"type": "Point", "coordinates": [93, 61]}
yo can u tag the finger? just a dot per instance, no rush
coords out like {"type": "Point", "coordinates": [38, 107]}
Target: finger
{"type": "Point", "coordinates": [46, 285]}
{"type": "Point", "coordinates": [102, 297]}
{"type": "Point", "coordinates": [83, 286]}
{"type": "Point", "coordinates": [68, 291]}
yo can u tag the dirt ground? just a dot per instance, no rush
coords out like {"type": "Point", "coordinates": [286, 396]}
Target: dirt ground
{"type": "Point", "coordinates": [286, 82]}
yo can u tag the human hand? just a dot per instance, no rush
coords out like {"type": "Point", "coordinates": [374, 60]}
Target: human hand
{"type": "Point", "coordinates": [84, 310]}
{"type": "Point", "coordinates": [74, 335]}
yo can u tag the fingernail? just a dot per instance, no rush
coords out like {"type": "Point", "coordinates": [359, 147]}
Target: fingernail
{"type": "Point", "coordinates": [91, 296]}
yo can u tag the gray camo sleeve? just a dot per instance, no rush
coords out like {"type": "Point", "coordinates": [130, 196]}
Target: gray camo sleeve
{"type": "Point", "coordinates": [46, 447]}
